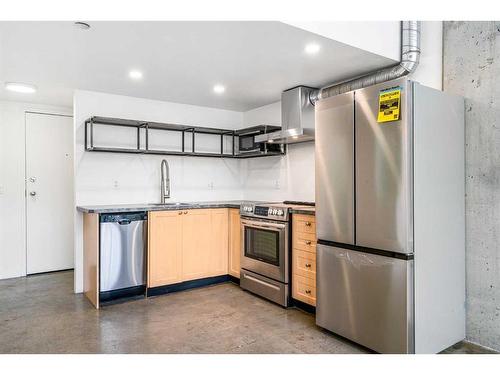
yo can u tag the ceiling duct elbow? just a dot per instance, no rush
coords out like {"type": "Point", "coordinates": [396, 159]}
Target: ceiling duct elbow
{"type": "Point", "coordinates": [410, 57]}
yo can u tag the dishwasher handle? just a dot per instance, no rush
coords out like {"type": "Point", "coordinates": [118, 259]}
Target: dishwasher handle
{"type": "Point", "coordinates": [124, 221]}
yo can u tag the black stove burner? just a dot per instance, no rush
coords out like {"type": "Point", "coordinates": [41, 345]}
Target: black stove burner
{"type": "Point", "coordinates": [297, 203]}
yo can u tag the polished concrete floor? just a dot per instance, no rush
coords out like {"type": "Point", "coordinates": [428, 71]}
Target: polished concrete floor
{"type": "Point", "coordinates": [40, 314]}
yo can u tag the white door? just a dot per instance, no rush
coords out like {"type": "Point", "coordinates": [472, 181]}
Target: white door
{"type": "Point", "coordinates": [49, 192]}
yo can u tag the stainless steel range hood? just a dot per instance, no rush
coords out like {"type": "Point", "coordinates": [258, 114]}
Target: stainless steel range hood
{"type": "Point", "coordinates": [297, 118]}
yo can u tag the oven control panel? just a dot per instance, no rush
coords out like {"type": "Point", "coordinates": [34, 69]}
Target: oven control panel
{"type": "Point", "coordinates": [264, 211]}
{"type": "Point", "coordinates": [247, 208]}
{"type": "Point", "coordinates": [261, 211]}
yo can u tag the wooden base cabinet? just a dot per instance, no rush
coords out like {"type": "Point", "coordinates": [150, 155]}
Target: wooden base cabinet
{"type": "Point", "coordinates": [187, 245]}
{"type": "Point", "coordinates": [304, 258]}
{"type": "Point", "coordinates": [164, 248]}
{"type": "Point", "coordinates": [196, 238]}
{"type": "Point", "coordinates": [218, 257]}
{"type": "Point", "coordinates": [234, 242]}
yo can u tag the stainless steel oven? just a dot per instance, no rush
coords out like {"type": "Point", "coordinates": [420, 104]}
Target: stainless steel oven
{"type": "Point", "coordinates": [265, 246]}
{"type": "Point", "coordinates": [265, 251]}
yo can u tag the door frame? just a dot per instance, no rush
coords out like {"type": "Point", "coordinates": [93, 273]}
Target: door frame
{"type": "Point", "coordinates": [48, 113]}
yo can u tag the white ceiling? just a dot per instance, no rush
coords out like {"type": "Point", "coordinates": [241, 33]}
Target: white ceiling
{"type": "Point", "coordinates": [181, 61]}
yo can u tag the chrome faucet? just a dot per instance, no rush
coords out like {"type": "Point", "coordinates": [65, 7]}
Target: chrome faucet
{"type": "Point", "coordinates": [165, 181]}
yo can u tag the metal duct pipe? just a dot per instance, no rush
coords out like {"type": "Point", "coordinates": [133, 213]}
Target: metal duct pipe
{"type": "Point", "coordinates": [410, 56]}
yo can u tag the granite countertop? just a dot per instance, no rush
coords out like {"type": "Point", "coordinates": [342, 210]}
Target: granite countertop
{"type": "Point", "coordinates": [103, 209]}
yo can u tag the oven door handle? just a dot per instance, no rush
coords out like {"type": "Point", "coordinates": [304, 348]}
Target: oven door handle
{"type": "Point", "coordinates": [264, 226]}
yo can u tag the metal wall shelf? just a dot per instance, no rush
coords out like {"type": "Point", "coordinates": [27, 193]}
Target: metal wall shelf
{"type": "Point", "coordinates": [142, 137]}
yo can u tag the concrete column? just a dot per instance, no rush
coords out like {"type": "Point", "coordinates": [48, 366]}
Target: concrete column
{"type": "Point", "coordinates": [472, 69]}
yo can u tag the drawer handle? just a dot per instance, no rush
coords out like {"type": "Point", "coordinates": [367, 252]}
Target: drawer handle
{"type": "Point", "coordinates": [308, 242]}
{"type": "Point", "coordinates": [180, 213]}
{"type": "Point", "coordinates": [308, 291]}
{"type": "Point", "coordinates": [261, 282]}
{"type": "Point", "coordinates": [185, 212]}
{"type": "Point", "coordinates": [308, 224]}
{"type": "Point", "coordinates": [308, 265]}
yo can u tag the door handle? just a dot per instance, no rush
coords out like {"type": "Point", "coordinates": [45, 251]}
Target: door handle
{"type": "Point", "coordinates": [32, 193]}
{"type": "Point", "coordinates": [308, 265]}
{"type": "Point", "coordinates": [264, 226]}
{"type": "Point", "coordinates": [308, 242]}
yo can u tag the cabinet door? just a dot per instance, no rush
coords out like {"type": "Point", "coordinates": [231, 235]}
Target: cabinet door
{"type": "Point", "coordinates": [196, 243]}
{"type": "Point", "coordinates": [219, 241]}
{"type": "Point", "coordinates": [165, 246]}
{"type": "Point", "coordinates": [234, 242]}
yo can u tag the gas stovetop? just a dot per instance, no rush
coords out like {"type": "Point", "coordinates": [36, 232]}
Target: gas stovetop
{"type": "Point", "coordinates": [299, 203]}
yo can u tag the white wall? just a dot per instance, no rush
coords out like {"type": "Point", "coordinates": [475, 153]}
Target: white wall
{"type": "Point", "coordinates": [108, 178]}
{"type": "Point", "coordinates": [12, 184]}
{"type": "Point", "coordinates": [380, 37]}
{"type": "Point", "coordinates": [430, 69]}
{"type": "Point", "coordinates": [278, 178]}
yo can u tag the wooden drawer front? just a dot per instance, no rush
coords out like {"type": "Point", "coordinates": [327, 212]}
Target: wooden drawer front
{"type": "Point", "coordinates": [304, 264]}
{"type": "Point", "coordinates": [304, 241]}
{"type": "Point", "coordinates": [304, 290]}
{"type": "Point", "coordinates": [304, 224]}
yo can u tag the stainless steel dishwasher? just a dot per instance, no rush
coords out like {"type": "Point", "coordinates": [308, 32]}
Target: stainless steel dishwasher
{"type": "Point", "coordinates": [123, 241]}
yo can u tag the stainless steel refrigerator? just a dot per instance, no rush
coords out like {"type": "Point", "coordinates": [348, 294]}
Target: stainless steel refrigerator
{"type": "Point", "coordinates": [390, 217]}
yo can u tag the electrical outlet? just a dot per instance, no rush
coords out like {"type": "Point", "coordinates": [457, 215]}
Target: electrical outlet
{"type": "Point", "coordinates": [211, 185]}
{"type": "Point", "coordinates": [277, 184]}
{"type": "Point", "coordinates": [115, 184]}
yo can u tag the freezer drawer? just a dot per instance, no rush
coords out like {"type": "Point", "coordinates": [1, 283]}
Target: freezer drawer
{"type": "Point", "coordinates": [366, 298]}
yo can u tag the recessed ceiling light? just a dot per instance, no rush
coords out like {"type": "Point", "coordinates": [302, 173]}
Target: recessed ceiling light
{"type": "Point", "coordinates": [135, 74]}
{"type": "Point", "coordinates": [20, 87]}
{"type": "Point", "coordinates": [219, 89]}
{"type": "Point", "coordinates": [270, 141]}
{"type": "Point", "coordinates": [82, 25]}
{"type": "Point", "coordinates": [312, 48]}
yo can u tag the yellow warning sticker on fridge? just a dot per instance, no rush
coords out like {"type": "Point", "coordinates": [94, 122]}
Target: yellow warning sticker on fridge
{"type": "Point", "coordinates": [389, 105]}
